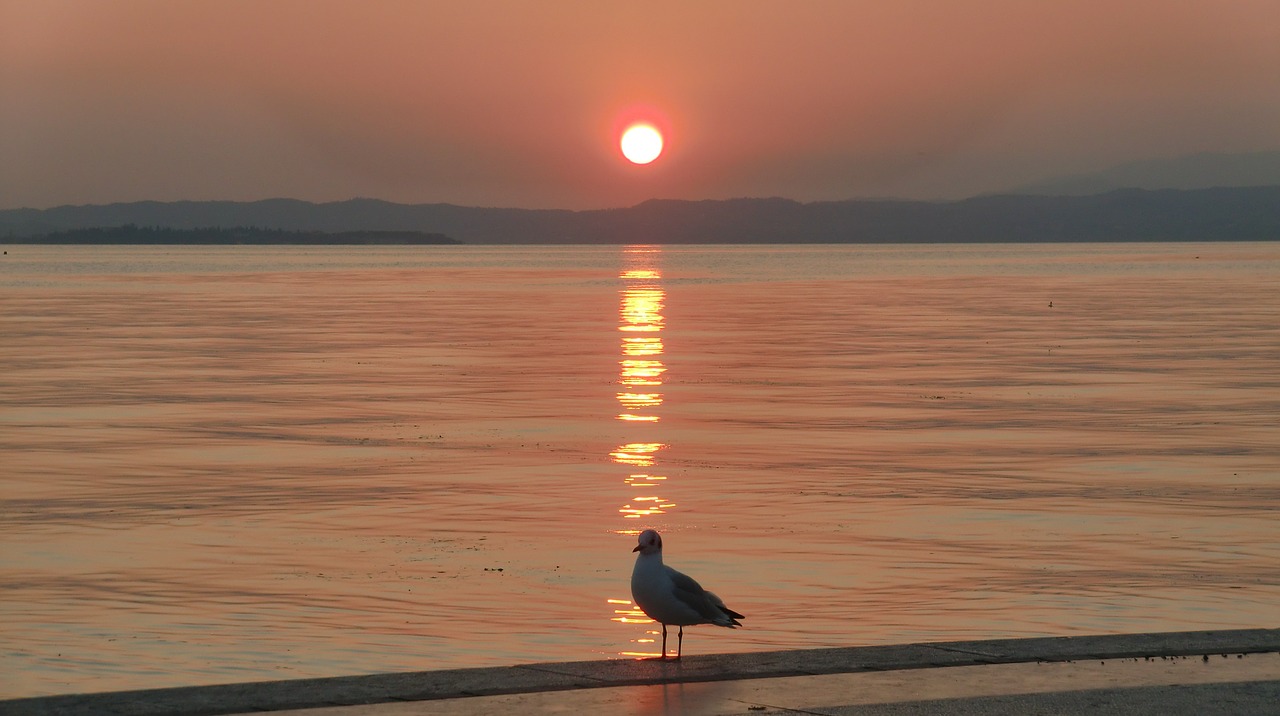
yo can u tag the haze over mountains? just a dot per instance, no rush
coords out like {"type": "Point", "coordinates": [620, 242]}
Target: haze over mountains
{"type": "Point", "coordinates": [1161, 201]}
{"type": "Point", "coordinates": [1195, 171]}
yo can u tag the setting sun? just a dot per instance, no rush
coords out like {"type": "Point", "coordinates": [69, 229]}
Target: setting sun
{"type": "Point", "coordinates": [641, 143]}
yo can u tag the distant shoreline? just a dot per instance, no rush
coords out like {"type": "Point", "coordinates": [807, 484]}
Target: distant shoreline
{"type": "Point", "coordinates": [1126, 215]}
{"type": "Point", "coordinates": [133, 235]}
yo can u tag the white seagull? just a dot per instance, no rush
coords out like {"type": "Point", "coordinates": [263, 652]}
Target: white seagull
{"type": "Point", "coordinates": [669, 597]}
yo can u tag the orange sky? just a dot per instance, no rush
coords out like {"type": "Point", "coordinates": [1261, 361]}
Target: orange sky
{"type": "Point", "coordinates": [516, 103]}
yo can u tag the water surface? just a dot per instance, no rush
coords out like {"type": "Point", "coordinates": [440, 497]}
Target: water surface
{"type": "Point", "coordinates": [245, 463]}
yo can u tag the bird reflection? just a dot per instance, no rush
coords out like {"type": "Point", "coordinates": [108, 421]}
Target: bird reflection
{"type": "Point", "coordinates": [641, 374]}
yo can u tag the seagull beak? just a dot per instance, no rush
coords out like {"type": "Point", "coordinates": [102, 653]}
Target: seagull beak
{"type": "Point", "coordinates": [637, 549]}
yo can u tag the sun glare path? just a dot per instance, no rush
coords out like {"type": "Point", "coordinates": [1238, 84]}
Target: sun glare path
{"type": "Point", "coordinates": [641, 375]}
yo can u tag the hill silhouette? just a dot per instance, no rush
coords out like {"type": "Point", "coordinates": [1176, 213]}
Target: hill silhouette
{"type": "Point", "coordinates": [1222, 214]}
{"type": "Point", "coordinates": [239, 235]}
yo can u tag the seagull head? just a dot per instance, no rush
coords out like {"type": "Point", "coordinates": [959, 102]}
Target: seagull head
{"type": "Point", "coordinates": [650, 542]}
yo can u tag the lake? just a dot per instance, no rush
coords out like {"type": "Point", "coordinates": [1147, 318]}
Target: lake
{"type": "Point", "coordinates": [224, 464]}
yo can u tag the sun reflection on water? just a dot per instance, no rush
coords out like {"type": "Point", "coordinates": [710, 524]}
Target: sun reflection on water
{"type": "Point", "coordinates": [641, 374]}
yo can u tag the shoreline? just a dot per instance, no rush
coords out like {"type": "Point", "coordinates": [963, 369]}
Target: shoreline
{"type": "Point", "coordinates": [584, 675]}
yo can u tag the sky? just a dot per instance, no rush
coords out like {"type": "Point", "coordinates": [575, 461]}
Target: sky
{"type": "Point", "coordinates": [520, 104]}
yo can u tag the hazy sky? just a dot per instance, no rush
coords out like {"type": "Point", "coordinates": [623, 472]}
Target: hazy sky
{"type": "Point", "coordinates": [519, 103]}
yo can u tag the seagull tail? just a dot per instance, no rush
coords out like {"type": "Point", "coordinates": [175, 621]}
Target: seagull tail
{"type": "Point", "coordinates": [728, 617]}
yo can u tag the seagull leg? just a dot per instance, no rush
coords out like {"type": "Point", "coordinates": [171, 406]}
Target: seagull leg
{"type": "Point", "coordinates": [679, 642]}
{"type": "Point", "coordinates": [664, 642]}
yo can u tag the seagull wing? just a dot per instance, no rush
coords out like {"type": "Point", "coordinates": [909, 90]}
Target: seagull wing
{"type": "Point", "coordinates": [706, 604]}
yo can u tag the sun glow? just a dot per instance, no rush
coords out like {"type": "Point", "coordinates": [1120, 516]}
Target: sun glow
{"type": "Point", "coordinates": [641, 143]}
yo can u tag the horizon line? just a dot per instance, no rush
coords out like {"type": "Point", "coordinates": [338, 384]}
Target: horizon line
{"type": "Point", "coordinates": [651, 200]}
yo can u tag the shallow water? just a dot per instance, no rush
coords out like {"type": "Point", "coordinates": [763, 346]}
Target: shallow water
{"type": "Point", "coordinates": [229, 464]}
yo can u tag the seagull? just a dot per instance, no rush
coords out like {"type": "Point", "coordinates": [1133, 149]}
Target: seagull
{"type": "Point", "coordinates": [669, 597]}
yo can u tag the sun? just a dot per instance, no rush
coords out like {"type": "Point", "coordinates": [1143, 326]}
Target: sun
{"type": "Point", "coordinates": [641, 143]}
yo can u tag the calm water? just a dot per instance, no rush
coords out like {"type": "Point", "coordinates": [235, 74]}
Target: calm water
{"type": "Point", "coordinates": [235, 464]}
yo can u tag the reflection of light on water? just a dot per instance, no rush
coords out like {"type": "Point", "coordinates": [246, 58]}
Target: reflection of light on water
{"type": "Point", "coordinates": [642, 346]}
{"type": "Point", "coordinates": [641, 309]}
{"type": "Point", "coordinates": [633, 401]}
{"type": "Point", "coordinates": [657, 506]}
{"type": "Point", "coordinates": [641, 373]}
{"type": "Point", "coordinates": [638, 454]}
{"type": "Point", "coordinates": [640, 274]}
{"type": "Point", "coordinates": [626, 613]}
{"type": "Point", "coordinates": [641, 479]}
{"type": "Point", "coordinates": [641, 366]}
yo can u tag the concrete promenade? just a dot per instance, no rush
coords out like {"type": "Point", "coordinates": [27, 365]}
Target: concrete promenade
{"type": "Point", "coordinates": [1230, 672]}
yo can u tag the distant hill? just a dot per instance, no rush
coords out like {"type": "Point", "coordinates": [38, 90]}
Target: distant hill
{"type": "Point", "coordinates": [1196, 171]}
{"type": "Point", "coordinates": [239, 235]}
{"type": "Point", "coordinates": [1222, 214]}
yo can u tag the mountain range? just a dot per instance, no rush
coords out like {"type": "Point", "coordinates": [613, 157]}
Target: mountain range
{"type": "Point", "coordinates": [1207, 197]}
{"type": "Point", "coordinates": [1223, 214]}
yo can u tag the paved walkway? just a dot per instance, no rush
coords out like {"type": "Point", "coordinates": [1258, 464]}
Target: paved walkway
{"type": "Point", "coordinates": [1175, 673]}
